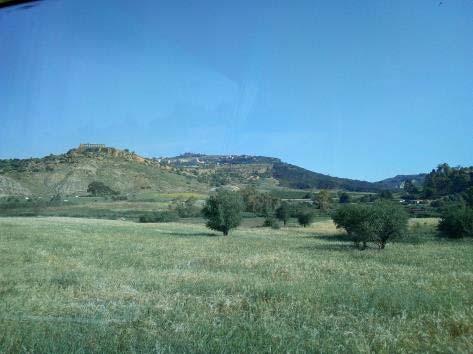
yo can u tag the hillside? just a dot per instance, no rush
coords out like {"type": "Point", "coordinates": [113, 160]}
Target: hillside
{"type": "Point", "coordinates": [261, 170]}
{"type": "Point", "coordinates": [127, 172]}
{"type": "Point", "coordinates": [397, 182]}
{"type": "Point", "coordinates": [71, 173]}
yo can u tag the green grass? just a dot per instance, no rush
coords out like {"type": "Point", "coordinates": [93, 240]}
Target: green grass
{"type": "Point", "coordinates": [84, 285]}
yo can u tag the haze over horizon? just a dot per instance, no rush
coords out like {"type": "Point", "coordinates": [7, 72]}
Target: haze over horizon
{"type": "Point", "coordinates": [363, 90]}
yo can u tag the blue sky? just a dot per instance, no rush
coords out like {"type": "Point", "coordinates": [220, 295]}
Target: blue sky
{"type": "Point", "coordinates": [359, 89]}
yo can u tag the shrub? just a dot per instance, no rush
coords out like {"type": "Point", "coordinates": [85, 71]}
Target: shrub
{"type": "Point", "coordinates": [305, 217]}
{"type": "Point", "coordinates": [377, 223]}
{"type": "Point", "coordinates": [159, 216]}
{"type": "Point", "coordinates": [271, 222]}
{"type": "Point", "coordinates": [223, 211]}
{"type": "Point", "coordinates": [259, 203]}
{"type": "Point", "coordinates": [100, 189]}
{"type": "Point", "coordinates": [389, 221]}
{"type": "Point", "coordinates": [185, 208]}
{"type": "Point", "coordinates": [457, 222]}
{"type": "Point", "coordinates": [355, 220]}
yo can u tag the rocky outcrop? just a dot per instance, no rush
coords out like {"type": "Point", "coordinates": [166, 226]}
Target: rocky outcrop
{"type": "Point", "coordinates": [103, 151]}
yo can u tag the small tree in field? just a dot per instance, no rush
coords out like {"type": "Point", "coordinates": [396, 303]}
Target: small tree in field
{"type": "Point", "coordinates": [354, 218]}
{"type": "Point", "coordinates": [379, 223]}
{"type": "Point", "coordinates": [389, 221]}
{"type": "Point", "coordinates": [305, 217]}
{"type": "Point", "coordinates": [283, 213]}
{"type": "Point", "coordinates": [223, 211]}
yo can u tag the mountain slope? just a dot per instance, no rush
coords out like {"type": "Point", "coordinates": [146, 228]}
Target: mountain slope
{"type": "Point", "coordinates": [71, 173]}
{"type": "Point", "coordinates": [126, 172]}
{"type": "Point", "coordinates": [397, 182]}
{"type": "Point", "coordinates": [253, 169]}
{"type": "Point", "coordinates": [297, 177]}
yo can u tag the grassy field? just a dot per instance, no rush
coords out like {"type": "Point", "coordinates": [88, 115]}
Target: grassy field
{"type": "Point", "coordinates": [96, 207]}
{"type": "Point", "coordinates": [85, 285]}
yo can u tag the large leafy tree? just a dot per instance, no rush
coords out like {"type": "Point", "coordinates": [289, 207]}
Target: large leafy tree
{"type": "Point", "coordinates": [446, 180]}
{"type": "Point", "coordinates": [223, 211]}
{"type": "Point", "coordinates": [378, 223]}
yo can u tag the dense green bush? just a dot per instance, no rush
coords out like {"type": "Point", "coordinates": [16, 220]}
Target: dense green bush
{"type": "Point", "coordinates": [185, 208]}
{"type": "Point", "coordinates": [389, 221]}
{"type": "Point", "coordinates": [159, 216]}
{"type": "Point", "coordinates": [354, 219]}
{"type": "Point", "coordinates": [223, 211]}
{"type": "Point", "coordinates": [457, 222]}
{"type": "Point", "coordinates": [272, 223]}
{"type": "Point", "coordinates": [305, 217]}
{"type": "Point", "coordinates": [377, 223]}
{"type": "Point", "coordinates": [257, 202]}
{"type": "Point", "coordinates": [100, 189]}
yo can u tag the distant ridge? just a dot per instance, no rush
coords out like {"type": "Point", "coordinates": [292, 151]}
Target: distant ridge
{"type": "Point", "coordinates": [397, 182]}
{"type": "Point", "coordinates": [127, 172]}
{"type": "Point", "coordinates": [253, 168]}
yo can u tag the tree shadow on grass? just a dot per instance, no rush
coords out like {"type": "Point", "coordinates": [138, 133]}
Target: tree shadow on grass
{"type": "Point", "coordinates": [191, 234]}
{"type": "Point", "coordinates": [341, 247]}
{"type": "Point", "coordinates": [336, 243]}
{"type": "Point", "coordinates": [329, 237]}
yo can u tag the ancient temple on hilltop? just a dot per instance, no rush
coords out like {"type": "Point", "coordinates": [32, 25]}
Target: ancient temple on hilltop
{"type": "Point", "coordinates": [91, 146]}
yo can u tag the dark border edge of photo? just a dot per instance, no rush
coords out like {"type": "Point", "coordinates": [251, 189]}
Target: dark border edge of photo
{"type": "Point", "coordinates": [10, 3]}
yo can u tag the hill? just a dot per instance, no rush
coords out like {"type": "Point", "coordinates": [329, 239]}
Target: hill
{"type": "Point", "coordinates": [261, 170]}
{"type": "Point", "coordinates": [71, 173]}
{"type": "Point", "coordinates": [127, 172]}
{"type": "Point", "coordinates": [397, 182]}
